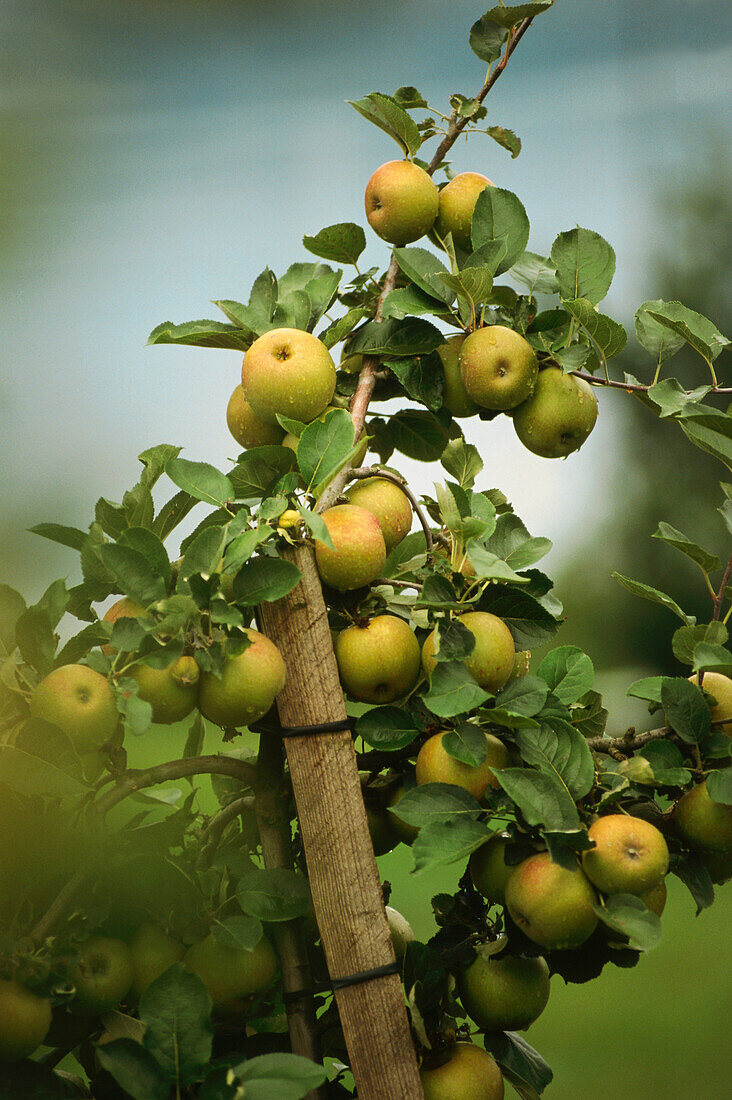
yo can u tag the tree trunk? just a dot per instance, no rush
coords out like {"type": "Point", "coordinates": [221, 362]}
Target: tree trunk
{"type": "Point", "coordinates": [344, 879]}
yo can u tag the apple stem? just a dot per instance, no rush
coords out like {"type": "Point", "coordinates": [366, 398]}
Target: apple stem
{"type": "Point", "coordinates": [364, 472]}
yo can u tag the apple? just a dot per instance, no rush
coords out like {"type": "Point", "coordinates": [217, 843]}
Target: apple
{"type": "Point", "coordinates": [462, 1072]}
{"type": "Point", "coordinates": [435, 765]}
{"type": "Point", "coordinates": [404, 831]}
{"type": "Point", "coordinates": [505, 994]}
{"type": "Point", "coordinates": [359, 553]}
{"type": "Point", "coordinates": [122, 609]}
{"type": "Point", "coordinates": [172, 692]}
{"type": "Point", "coordinates": [152, 953]}
{"type": "Point", "coordinates": [102, 975]}
{"type": "Point", "coordinates": [230, 973]}
{"type": "Point", "coordinates": [80, 702]}
{"type": "Point", "coordinates": [401, 931]}
{"type": "Point", "coordinates": [558, 417]}
{"type": "Point", "coordinates": [248, 686]}
{"type": "Point", "coordinates": [551, 905]}
{"type": "Point", "coordinates": [383, 835]}
{"type": "Point", "coordinates": [388, 503]}
{"type": "Point", "coordinates": [454, 396]}
{"type": "Point", "coordinates": [457, 203]}
{"type": "Point", "coordinates": [655, 899]}
{"type": "Point", "coordinates": [720, 687]}
{"type": "Point", "coordinates": [378, 662]}
{"type": "Point", "coordinates": [520, 665]}
{"type": "Point", "coordinates": [492, 660]}
{"type": "Point", "coordinates": [489, 871]}
{"type": "Point", "coordinates": [246, 427]}
{"type": "Point", "coordinates": [24, 1021]}
{"type": "Point", "coordinates": [630, 855]}
{"type": "Point", "coordinates": [498, 368]}
{"type": "Point", "coordinates": [401, 202]}
{"type": "Point", "coordinates": [291, 440]}
{"type": "Point", "coordinates": [289, 372]}
{"type": "Point", "coordinates": [703, 823]}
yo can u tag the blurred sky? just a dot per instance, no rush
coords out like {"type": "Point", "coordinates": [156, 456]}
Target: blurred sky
{"type": "Point", "coordinates": [154, 156]}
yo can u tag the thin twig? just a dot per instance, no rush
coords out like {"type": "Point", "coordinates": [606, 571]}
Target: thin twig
{"type": "Point", "coordinates": [377, 471]}
{"type": "Point", "coordinates": [212, 833]}
{"type": "Point", "coordinates": [632, 740]}
{"type": "Point", "coordinates": [719, 598]}
{"type": "Point", "coordinates": [632, 387]}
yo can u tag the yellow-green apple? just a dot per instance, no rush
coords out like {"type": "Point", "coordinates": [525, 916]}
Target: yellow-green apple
{"type": "Point", "coordinates": [435, 765]}
{"type": "Point", "coordinates": [462, 1072]}
{"type": "Point", "coordinates": [655, 899]}
{"type": "Point", "coordinates": [558, 417]}
{"type": "Point", "coordinates": [80, 702]}
{"type": "Point", "coordinates": [383, 835]}
{"type": "Point", "coordinates": [489, 871]}
{"type": "Point", "coordinates": [248, 686]}
{"type": "Point", "coordinates": [520, 665]}
{"type": "Point", "coordinates": [152, 953]}
{"type": "Point", "coordinates": [454, 396]}
{"type": "Point", "coordinates": [703, 823]}
{"type": "Point", "coordinates": [291, 440]}
{"type": "Point", "coordinates": [247, 428]}
{"type": "Point", "coordinates": [102, 975]}
{"type": "Point", "coordinates": [404, 831]}
{"type": "Point", "coordinates": [551, 905]}
{"type": "Point", "coordinates": [505, 994]}
{"type": "Point", "coordinates": [24, 1020]}
{"type": "Point", "coordinates": [172, 692]}
{"type": "Point", "coordinates": [401, 931]}
{"type": "Point", "coordinates": [630, 855]}
{"type": "Point", "coordinates": [401, 202]}
{"type": "Point", "coordinates": [492, 660]}
{"type": "Point", "coordinates": [359, 551]}
{"type": "Point", "coordinates": [498, 368]}
{"type": "Point", "coordinates": [720, 687]}
{"type": "Point", "coordinates": [230, 973]}
{"type": "Point", "coordinates": [378, 662]}
{"type": "Point", "coordinates": [388, 503]}
{"type": "Point", "coordinates": [457, 203]}
{"type": "Point", "coordinates": [289, 372]}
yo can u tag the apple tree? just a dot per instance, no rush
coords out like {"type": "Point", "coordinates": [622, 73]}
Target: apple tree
{"type": "Point", "coordinates": [392, 654]}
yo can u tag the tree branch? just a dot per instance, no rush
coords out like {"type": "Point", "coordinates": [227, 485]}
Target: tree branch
{"type": "Point", "coordinates": [632, 387]}
{"type": "Point", "coordinates": [212, 833]}
{"type": "Point", "coordinates": [377, 471]}
{"type": "Point", "coordinates": [719, 598]}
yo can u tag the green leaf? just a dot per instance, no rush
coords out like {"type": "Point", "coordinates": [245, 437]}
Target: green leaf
{"type": "Point", "coordinates": [607, 335]}
{"type": "Point", "coordinates": [462, 460]}
{"type": "Point", "coordinates": [424, 269]}
{"type": "Point", "coordinates": [568, 672]}
{"type": "Point", "coordinates": [696, 878]}
{"type": "Point", "coordinates": [661, 341]}
{"type": "Point", "coordinates": [202, 334]}
{"type": "Point", "coordinates": [487, 38]}
{"type": "Point", "coordinates": [719, 786]}
{"type": "Point", "coordinates": [529, 622]}
{"type": "Point", "coordinates": [342, 243]}
{"type": "Point", "coordinates": [712, 658]}
{"type": "Point", "coordinates": [172, 513]}
{"type": "Point", "coordinates": [422, 378]}
{"type": "Point", "coordinates": [562, 754]}
{"type": "Point", "coordinates": [66, 536]}
{"type": "Point", "coordinates": [535, 272]}
{"type": "Point", "coordinates": [648, 688]}
{"type": "Point", "coordinates": [489, 566]}
{"type": "Point", "coordinates": [541, 797]}
{"type": "Point", "coordinates": [386, 728]}
{"type": "Point", "coordinates": [454, 641]}
{"type": "Point", "coordinates": [340, 329]}
{"type": "Point", "coordinates": [706, 561]}
{"type": "Point", "coordinates": [279, 1077]}
{"type": "Point", "coordinates": [241, 933]}
{"type": "Point", "coordinates": [520, 1063]}
{"type": "Point", "coordinates": [202, 554]}
{"type": "Point", "coordinates": [585, 264]}
{"type": "Point", "coordinates": [36, 640]}
{"type": "Point", "coordinates": [712, 433]}
{"type": "Point", "coordinates": [653, 594]}
{"type": "Point", "coordinates": [472, 283]}
{"type": "Point", "coordinates": [507, 139]}
{"type": "Point", "coordinates": [411, 549]}
{"type": "Point", "coordinates": [444, 842]}
{"type": "Point", "coordinates": [325, 446]}
{"type": "Point", "coordinates": [408, 301]}
{"type": "Point", "coordinates": [687, 638]}
{"type": "Point", "coordinates": [453, 690]}
{"type": "Point", "coordinates": [436, 802]}
{"type": "Point", "coordinates": [176, 1011]}
{"type": "Point", "coordinates": [263, 296]}
{"type": "Point", "coordinates": [686, 710]}
{"type": "Point", "coordinates": [42, 762]}
{"type": "Point", "coordinates": [466, 743]}
{"type": "Point", "coordinates": [134, 1069]}
{"type": "Point", "coordinates": [511, 542]}
{"type": "Point", "coordinates": [150, 546]}
{"type": "Point", "coordinates": [200, 480]}
{"type": "Point", "coordinates": [12, 606]}
{"type": "Point", "coordinates": [673, 400]}
{"type": "Point", "coordinates": [522, 698]}
{"type": "Point", "coordinates": [697, 331]}
{"type": "Point", "coordinates": [259, 469]}
{"type": "Point", "coordinates": [133, 573]}
{"type": "Point", "coordinates": [241, 548]}
{"type": "Point", "coordinates": [630, 916]}
{"type": "Point", "coordinates": [418, 435]}
{"type": "Point", "coordinates": [396, 339]}
{"type": "Point", "coordinates": [386, 113]}
{"type": "Point", "coordinates": [509, 16]}
{"type": "Point", "coordinates": [265, 579]}
{"type": "Point", "coordinates": [499, 216]}
{"type": "Point", "coordinates": [276, 894]}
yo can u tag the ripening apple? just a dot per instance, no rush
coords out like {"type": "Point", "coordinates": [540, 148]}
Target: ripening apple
{"type": "Point", "coordinates": [551, 905]}
{"type": "Point", "coordinates": [558, 417]}
{"type": "Point", "coordinates": [388, 503]}
{"type": "Point", "coordinates": [454, 396]}
{"type": "Point", "coordinates": [383, 835]}
{"type": "Point", "coordinates": [248, 686]}
{"type": "Point", "coordinates": [172, 692]}
{"type": "Point", "coordinates": [630, 855]}
{"type": "Point", "coordinates": [230, 973]}
{"type": "Point", "coordinates": [492, 660]}
{"type": "Point", "coordinates": [378, 662]}
{"type": "Point", "coordinates": [292, 441]}
{"type": "Point", "coordinates": [505, 994]}
{"type": "Point", "coordinates": [401, 931]}
{"type": "Point", "coordinates": [289, 372]}
{"type": "Point", "coordinates": [655, 899]}
{"type": "Point", "coordinates": [498, 368]}
{"type": "Point", "coordinates": [457, 203]}
{"type": "Point", "coordinates": [404, 831]}
{"type": "Point", "coordinates": [246, 427]}
{"type": "Point", "coordinates": [401, 202]}
{"type": "Point", "coordinates": [462, 1072]}
{"type": "Point", "coordinates": [24, 1020]}
{"type": "Point", "coordinates": [435, 765]}
{"type": "Point", "coordinates": [102, 975]}
{"type": "Point", "coordinates": [703, 823]}
{"type": "Point", "coordinates": [152, 953]}
{"type": "Point", "coordinates": [489, 871]}
{"type": "Point", "coordinates": [80, 702]}
{"type": "Point", "coordinates": [359, 553]}
{"type": "Point", "coordinates": [720, 687]}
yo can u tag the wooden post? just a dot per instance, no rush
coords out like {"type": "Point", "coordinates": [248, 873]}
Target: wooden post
{"type": "Point", "coordinates": [344, 878]}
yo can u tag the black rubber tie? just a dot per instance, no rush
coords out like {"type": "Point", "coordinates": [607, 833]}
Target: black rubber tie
{"type": "Point", "coordinates": [342, 983]}
{"type": "Point", "coordinates": [321, 727]}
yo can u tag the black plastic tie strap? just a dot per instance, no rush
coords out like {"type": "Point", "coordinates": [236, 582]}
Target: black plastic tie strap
{"type": "Point", "coordinates": [321, 727]}
{"type": "Point", "coordinates": [343, 983]}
